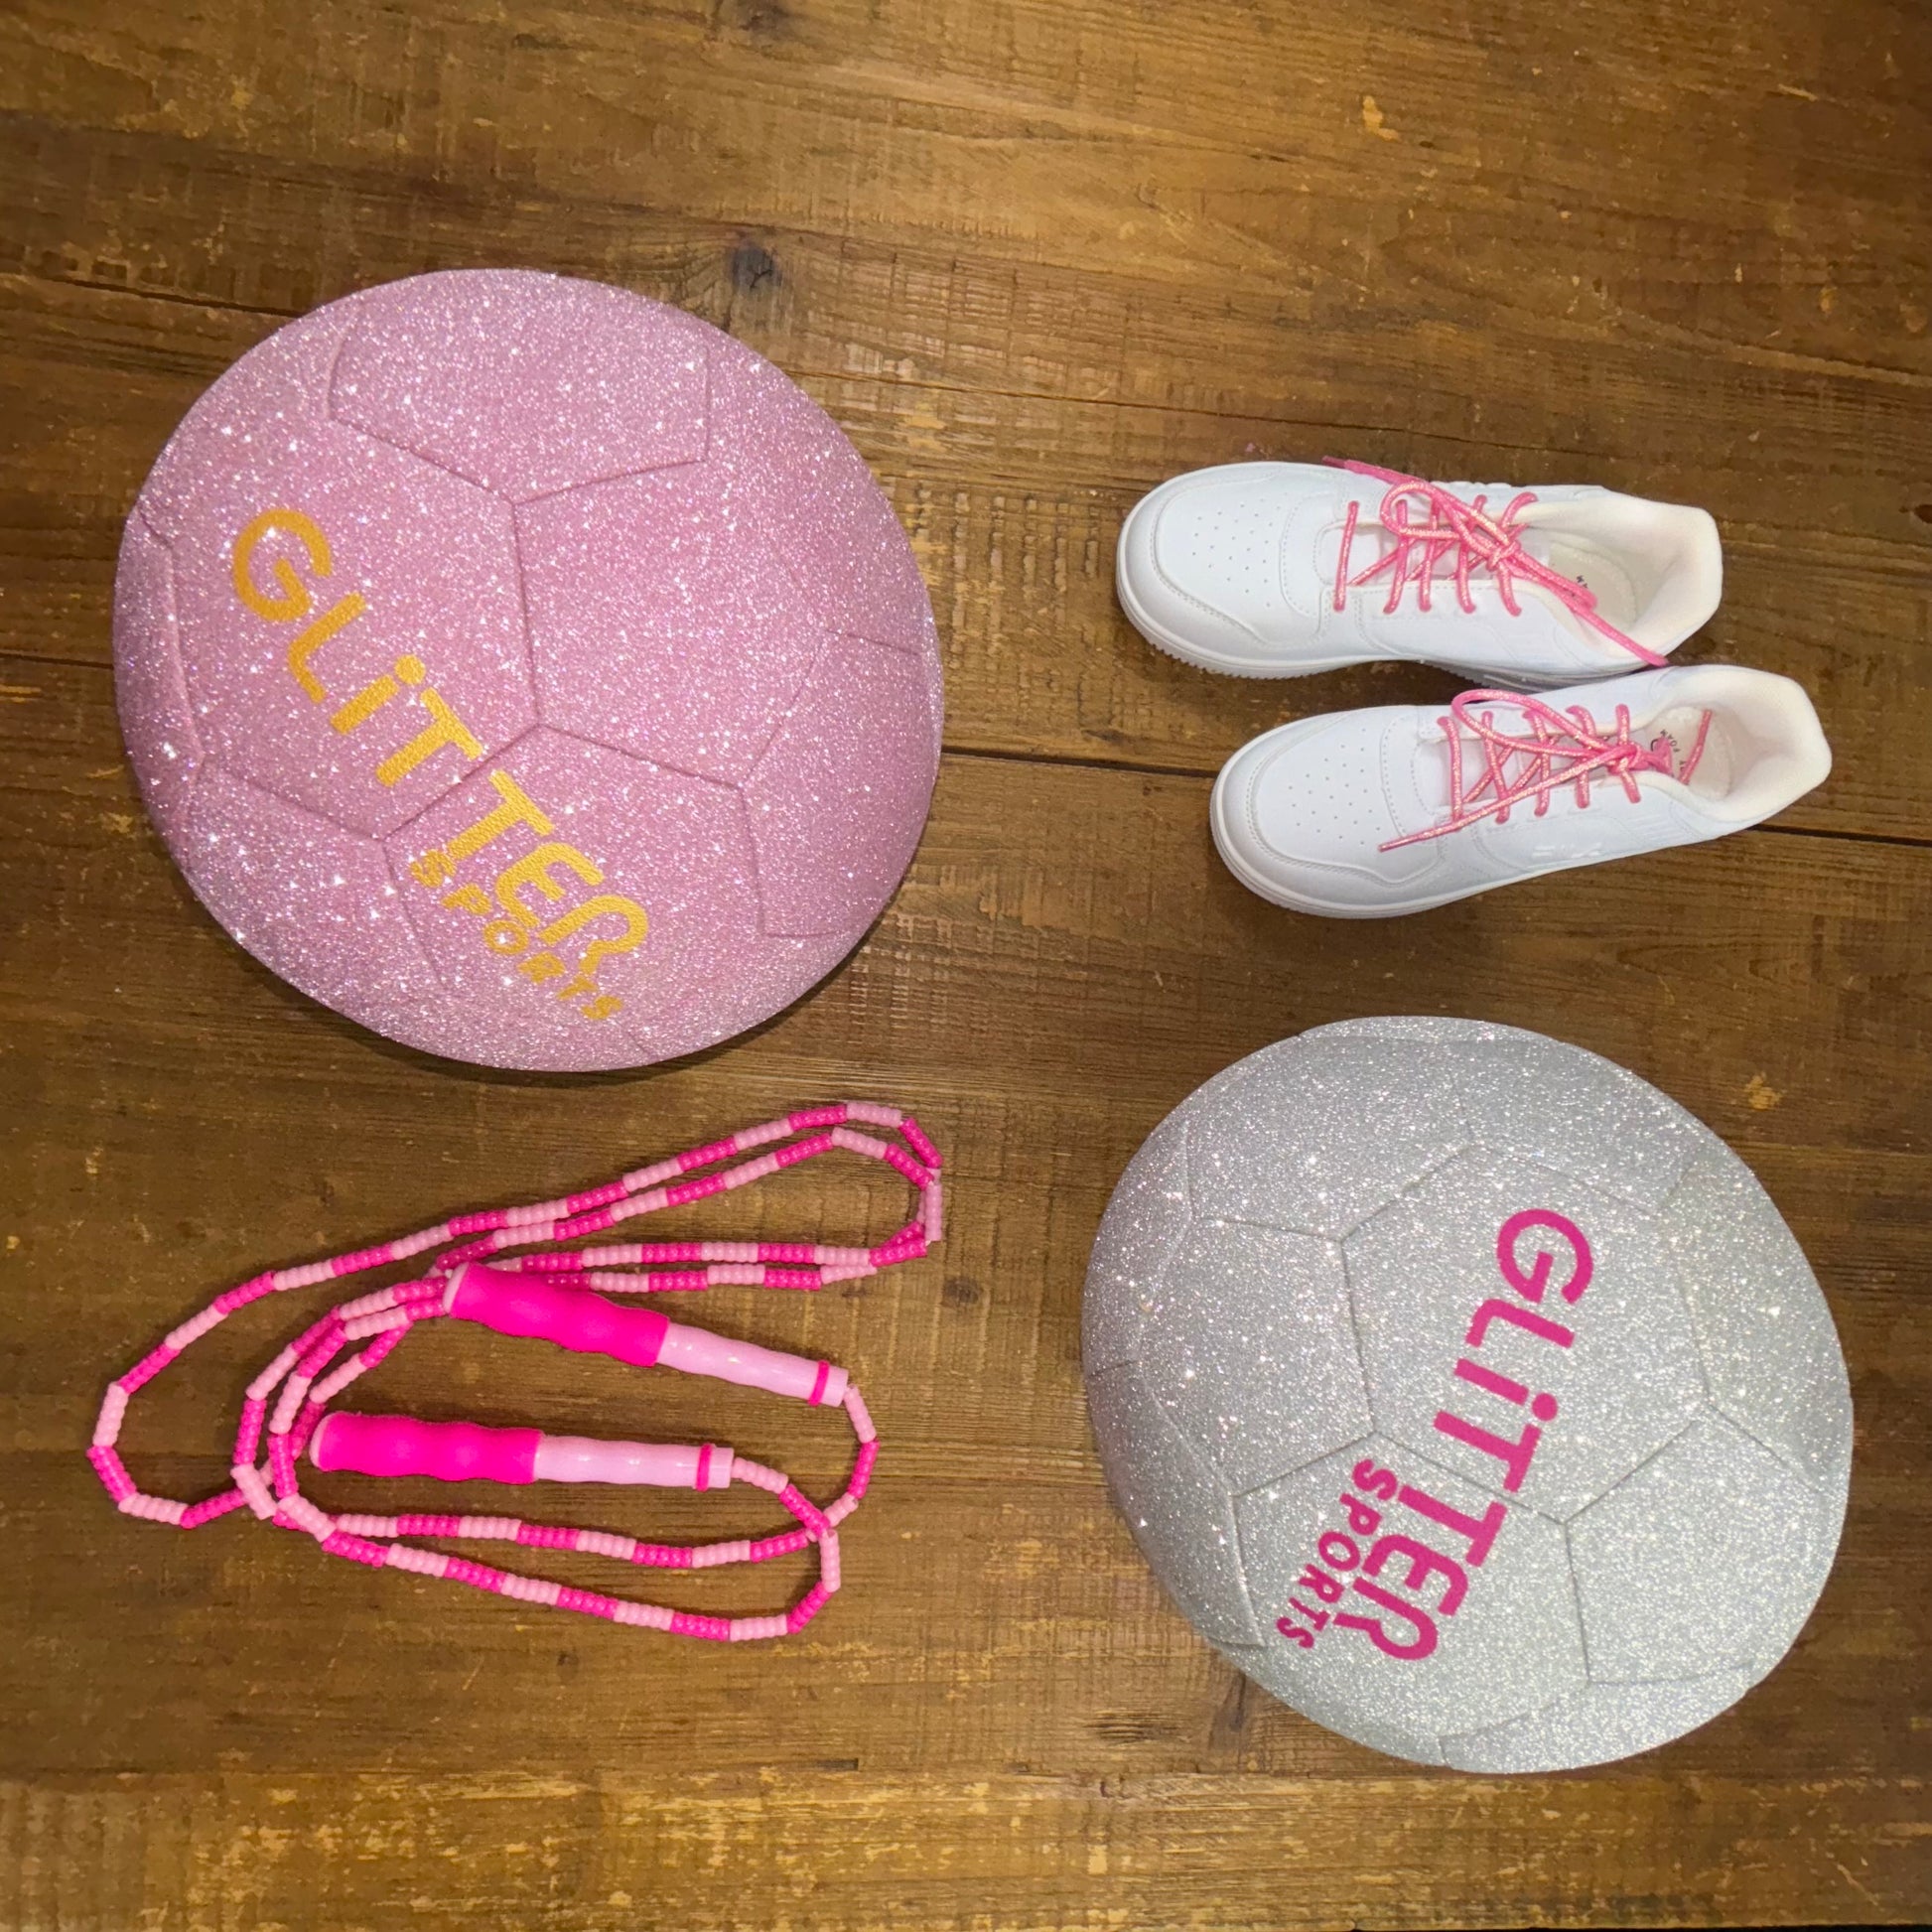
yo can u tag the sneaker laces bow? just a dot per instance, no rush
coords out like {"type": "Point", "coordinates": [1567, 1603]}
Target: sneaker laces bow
{"type": "Point", "coordinates": [1471, 538]}
{"type": "Point", "coordinates": [1557, 749]}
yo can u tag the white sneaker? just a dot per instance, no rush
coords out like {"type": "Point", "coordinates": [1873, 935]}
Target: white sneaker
{"type": "Point", "coordinates": [1365, 814]}
{"type": "Point", "coordinates": [1279, 569]}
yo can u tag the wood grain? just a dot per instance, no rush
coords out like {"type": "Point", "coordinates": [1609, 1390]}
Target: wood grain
{"type": "Point", "coordinates": [1034, 257]}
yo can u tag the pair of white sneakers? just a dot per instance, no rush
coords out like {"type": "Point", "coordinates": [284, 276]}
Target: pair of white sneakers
{"type": "Point", "coordinates": [1573, 591]}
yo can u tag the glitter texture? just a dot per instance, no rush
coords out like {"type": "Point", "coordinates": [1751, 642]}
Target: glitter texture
{"type": "Point", "coordinates": [505, 543]}
{"type": "Point", "coordinates": [1250, 1310]}
{"type": "Point", "coordinates": [1630, 1382]}
{"type": "Point", "coordinates": [1661, 1464]}
{"type": "Point", "coordinates": [1180, 1515]}
{"type": "Point", "coordinates": [1513, 1647]}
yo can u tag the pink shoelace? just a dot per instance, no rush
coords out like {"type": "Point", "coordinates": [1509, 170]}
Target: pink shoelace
{"type": "Point", "coordinates": [561, 1297]}
{"type": "Point", "coordinates": [1557, 749]}
{"type": "Point", "coordinates": [1468, 538]}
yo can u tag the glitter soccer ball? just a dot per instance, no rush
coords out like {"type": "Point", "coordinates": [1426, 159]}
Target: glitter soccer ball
{"type": "Point", "coordinates": [1468, 1394]}
{"type": "Point", "coordinates": [527, 670]}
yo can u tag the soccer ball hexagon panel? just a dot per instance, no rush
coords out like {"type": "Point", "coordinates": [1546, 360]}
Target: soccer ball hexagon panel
{"type": "Point", "coordinates": [527, 670]}
{"type": "Point", "coordinates": [1467, 1392]}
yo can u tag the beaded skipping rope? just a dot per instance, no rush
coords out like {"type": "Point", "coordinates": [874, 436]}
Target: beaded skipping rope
{"type": "Point", "coordinates": [560, 1296]}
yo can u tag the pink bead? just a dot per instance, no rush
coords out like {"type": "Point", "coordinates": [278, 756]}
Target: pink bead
{"type": "Point", "coordinates": [238, 1297]}
{"type": "Point", "coordinates": [644, 1616]}
{"type": "Point", "coordinates": [483, 1223]}
{"type": "Point", "coordinates": [210, 1507]}
{"type": "Point", "coordinates": [643, 1177]}
{"type": "Point", "coordinates": [496, 1529]}
{"type": "Point", "coordinates": [341, 1544]}
{"type": "Point", "coordinates": [715, 1628]}
{"type": "Point", "coordinates": [788, 1545]}
{"type": "Point", "coordinates": [745, 1629]}
{"type": "Point", "coordinates": [428, 1525]}
{"type": "Point", "coordinates": [802, 1507]}
{"type": "Point", "coordinates": [153, 1509]}
{"type": "Point", "coordinates": [113, 1407]}
{"type": "Point", "coordinates": [903, 1164]}
{"type": "Point", "coordinates": [421, 1563]}
{"type": "Point", "coordinates": [253, 1491]}
{"type": "Point", "coordinates": [112, 1473]}
{"type": "Point", "coordinates": [147, 1368]}
{"type": "Point", "coordinates": [806, 1280]}
{"type": "Point", "coordinates": [685, 1191]}
{"type": "Point", "coordinates": [476, 1574]}
{"type": "Point", "coordinates": [790, 1157]}
{"type": "Point", "coordinates": [291, 1398]}
{"type": "Point", "coordinates": [802, 1612]}
{"type": "Point", "coordinates": [603, 1542]}
{"type": "Point", "coordinates": [916, 1140]}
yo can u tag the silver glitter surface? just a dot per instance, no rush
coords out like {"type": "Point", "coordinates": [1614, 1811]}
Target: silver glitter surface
{"type": "Point", "coordinates": [1661, 1537]}
{"type": "Point", "coordinates": [1143, 1221]}
{"type": "Point", "coordinates": [1180, 1515]}
{"type": "Point", "coordinates": [1626, 1384]}
{"type": "Point", "coordinates": [1513, 1647]}
{"type": "Point", "coordinates": [1251, 1350]}
{"type": "Point", "coordinates": [1600, 1722]}
{"type": "Point", "coordinates": [562, 516]}
{"type": "Point", "coordinates": [1770, 1353]}
{"type": "Point", "coordinates": [1711, 1552]}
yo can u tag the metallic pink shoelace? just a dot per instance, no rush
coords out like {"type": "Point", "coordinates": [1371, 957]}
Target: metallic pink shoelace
{"type": "Point", "coordinates": [1557, 749]}
{"type": "Point", "coordinates": [1467, 538]}
{"type": "Point", "coordinates": [289, 1399]}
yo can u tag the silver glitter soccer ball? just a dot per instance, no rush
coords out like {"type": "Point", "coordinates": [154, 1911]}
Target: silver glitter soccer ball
{"type": "Point", "coordinates": [1468, 1394]}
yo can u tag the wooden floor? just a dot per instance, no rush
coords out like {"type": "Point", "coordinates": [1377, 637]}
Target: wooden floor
{"type": "Point", "coordinates": [1036, 255]}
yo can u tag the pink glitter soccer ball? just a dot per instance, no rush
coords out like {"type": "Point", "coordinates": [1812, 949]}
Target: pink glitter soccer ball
{"type": "Point", "coordinates": [527, 670]}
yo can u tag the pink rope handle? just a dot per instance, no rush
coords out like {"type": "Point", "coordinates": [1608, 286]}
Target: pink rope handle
{"type": "Point", "coordinates": [286, 1403]}
{"type": "Point", "coordinates": [1473, 539]}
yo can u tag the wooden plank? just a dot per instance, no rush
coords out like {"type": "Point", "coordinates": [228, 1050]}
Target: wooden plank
{"type": "Point", "coordinates": [633, 1845]}
{"type": "Point", "coordinates": [1231, 138]}
{"type": "Point", "coordinates": [1014, 503]}
{"type": "Point", "coordinates": [998, 1613]}
{"type": "Point", "coordinates": [1036, 254]}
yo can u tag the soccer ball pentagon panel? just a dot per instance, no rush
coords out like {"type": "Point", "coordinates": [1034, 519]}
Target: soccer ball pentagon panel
{"type": "Point", "coordinates": [1467, 1392]}
{"type": "Point", "coordinates": [527, 670]}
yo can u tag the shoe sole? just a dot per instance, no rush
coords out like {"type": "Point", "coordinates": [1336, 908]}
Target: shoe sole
{"type": "Point", "coordinates": [1273, 894]}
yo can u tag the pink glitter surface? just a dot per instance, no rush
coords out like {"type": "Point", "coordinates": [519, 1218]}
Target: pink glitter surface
{"type": "Point", "coordinates": [527, 392]}
{"type": "Point", "coordinates": [527, 670]}
{"type": "Point", "coordinates": [833, 828]}
{"type": "Point", "coordinates": [658, 581]}
{"type": "Point", "coordinates": [148, 678]}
